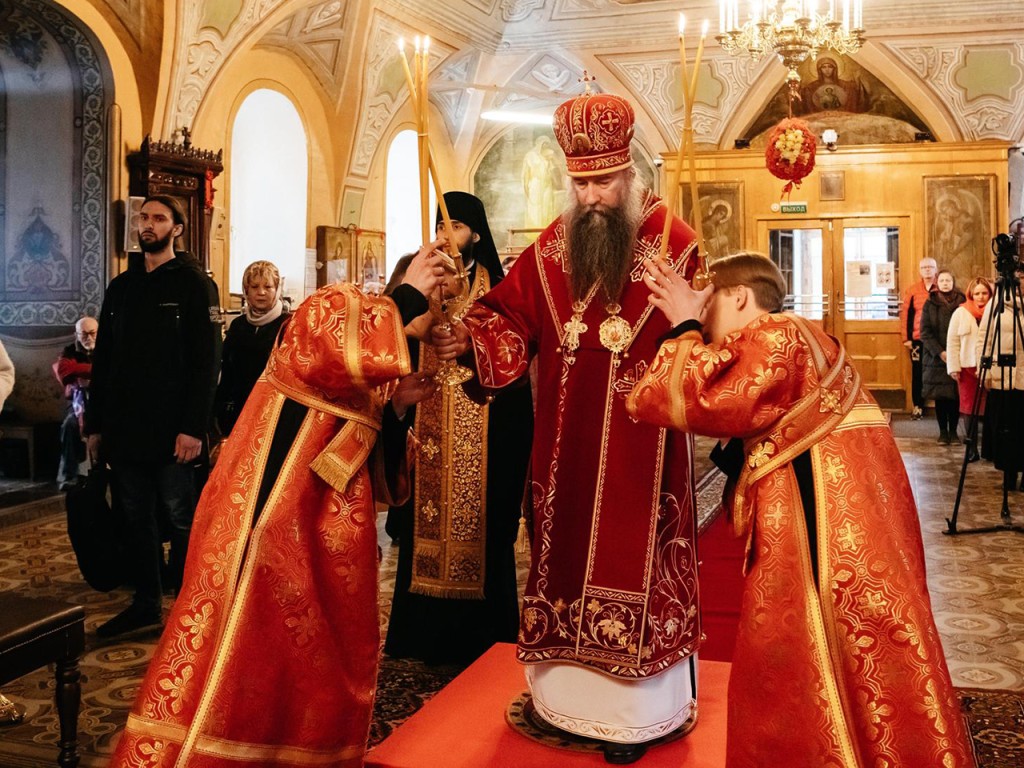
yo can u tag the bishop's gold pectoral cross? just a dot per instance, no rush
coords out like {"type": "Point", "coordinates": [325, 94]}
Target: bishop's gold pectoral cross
{"type": "Point", "coordinates": [573, 330]}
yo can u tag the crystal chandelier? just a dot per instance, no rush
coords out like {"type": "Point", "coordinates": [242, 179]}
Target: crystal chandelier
{"type": "Point", "coordinates": [793, 29]}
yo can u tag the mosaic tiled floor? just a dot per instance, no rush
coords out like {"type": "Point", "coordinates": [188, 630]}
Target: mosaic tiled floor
{"type": "Point", "coordinates": [976, 580]}
{"type": "Point", "coordinates": [977, 585]}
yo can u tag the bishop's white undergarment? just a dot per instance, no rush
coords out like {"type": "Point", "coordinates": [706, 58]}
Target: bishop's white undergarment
{"type": "Point", "coordinates": [586, 702]}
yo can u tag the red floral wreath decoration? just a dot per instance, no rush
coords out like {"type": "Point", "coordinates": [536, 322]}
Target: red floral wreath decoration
{"type": "Point", "coordinates": [790, 152]}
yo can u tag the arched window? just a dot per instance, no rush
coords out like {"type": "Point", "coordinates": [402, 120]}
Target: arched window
{"type": "Point", "coordinates": [269, 175]}
{"type": "Point", "coordinates": [402, 204]}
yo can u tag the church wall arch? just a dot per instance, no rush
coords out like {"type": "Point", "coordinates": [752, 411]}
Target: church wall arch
{"type": "Point", "coordinates": [256, 69]}
{"type": "Point", "coordinates": [374, 208]}
{"type": "Point", "coordinates": [872, 58]}
{"type": "Point", "coordinates": [55, 234]}
{"type": "Point", "coordinates": [132, 123]}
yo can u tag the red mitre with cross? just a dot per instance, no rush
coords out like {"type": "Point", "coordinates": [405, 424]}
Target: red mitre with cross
{"type": "Point", "coordinates": [594, 131]}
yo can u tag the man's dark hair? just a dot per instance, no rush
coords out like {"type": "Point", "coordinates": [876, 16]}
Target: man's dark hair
{"type": "Point", "coordinates": [174, 204]}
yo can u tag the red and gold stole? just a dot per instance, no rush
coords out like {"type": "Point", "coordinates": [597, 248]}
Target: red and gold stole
{"type": "Point", "coordinates": [451, 482]}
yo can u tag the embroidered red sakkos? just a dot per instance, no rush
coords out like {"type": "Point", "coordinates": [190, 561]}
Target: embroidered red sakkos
{"type": "Point", "coordinates": [613, 577]}
{"type": "Point", "coordinates": [851, 672]}
{"type": "Point", "coordinates": [270, 653]}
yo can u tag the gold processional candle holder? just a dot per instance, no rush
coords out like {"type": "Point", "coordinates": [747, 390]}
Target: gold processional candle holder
{"type": "Point", "coordinates": [448, 308]}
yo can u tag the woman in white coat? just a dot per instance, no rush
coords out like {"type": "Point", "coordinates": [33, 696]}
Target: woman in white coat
{"type": "Point", "coordinates": [1004, 408]}
{"type": "Point", "coordinates": [962, 342]}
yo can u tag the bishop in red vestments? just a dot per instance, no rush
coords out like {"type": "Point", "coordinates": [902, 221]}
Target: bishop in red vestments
{"type": "Point", "coordinates": [838, 661]}
{"type": "Point", "coordinates": [610, 622]}
{"type": "Point", "coordinates": [270, 653]}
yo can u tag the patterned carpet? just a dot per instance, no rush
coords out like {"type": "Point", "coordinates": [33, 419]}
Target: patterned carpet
{"type": "Point", "coordinates": [36, 559]}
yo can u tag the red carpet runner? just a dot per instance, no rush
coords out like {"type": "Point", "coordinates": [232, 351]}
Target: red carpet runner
{"type": "Point", "coordinates": [464, 726]}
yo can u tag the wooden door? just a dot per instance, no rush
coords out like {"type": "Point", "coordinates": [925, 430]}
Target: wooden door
{"type": "Point", "coordinates": [843, 274]}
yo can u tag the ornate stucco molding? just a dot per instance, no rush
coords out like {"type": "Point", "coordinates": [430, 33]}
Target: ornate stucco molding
{"type": "Point", "coordinates": [995, 109]}
{"type": "Point", "coordinates": [384, 89]}
{"type": "Point", "coordinates": [653, 79]}
{"type": "Point", "coordinates": [205, 49]}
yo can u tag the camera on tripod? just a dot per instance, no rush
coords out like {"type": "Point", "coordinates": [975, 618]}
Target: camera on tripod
{"type": "Point", "coordinates": [1006, 248]}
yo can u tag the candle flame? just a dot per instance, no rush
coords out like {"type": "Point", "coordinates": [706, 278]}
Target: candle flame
{"type": "Point", "coordinates": [682, 23]}
{"type": "Point", "coordinates": [401, 44]}
{"type": "Point", "coordinates": [704, 28]}
{"type": "Point", "coordinates": [417, 43]}
{"type": "Point", "coordinates": [426, 44]}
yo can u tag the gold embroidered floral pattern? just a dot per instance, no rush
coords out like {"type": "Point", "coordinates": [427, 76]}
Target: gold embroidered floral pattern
{"type": "Point", "coordinates": [830, 401]}
{"type": "Point", "coordinates": [834, 469]}
{"type": "Point", "coordinates": [429, 449]}
{"type": "Point", "coordinates": [850, 536]}
{"type": "Point", "coordinates": [874, 603]}
{"type": "Point", "coordinates": [761, 454]}
{"type": "Point", "coordinates": [776, 513]}
{"type": "Point", "coordinates": [430, 512]}
{"type": "Point", "coordinates": [197, 626]}
{"type": "Point", "coordinates": [709, 358]}
{"type": "Point", "coordinates": [174, 687]}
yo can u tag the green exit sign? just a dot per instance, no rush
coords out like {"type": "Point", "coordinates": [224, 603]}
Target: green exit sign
{"type": "Point", "coordinates": [793, 208]}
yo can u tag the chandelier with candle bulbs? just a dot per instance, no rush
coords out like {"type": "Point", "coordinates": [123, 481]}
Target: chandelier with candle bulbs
{"type": "Point", "coordinates": [792, 29]}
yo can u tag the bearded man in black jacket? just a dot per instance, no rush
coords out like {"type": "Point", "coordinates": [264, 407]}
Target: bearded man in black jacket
{"type": "Point", "coordinates": [153, 380]}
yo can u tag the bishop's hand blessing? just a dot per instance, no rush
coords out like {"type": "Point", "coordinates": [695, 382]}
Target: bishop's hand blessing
{"type": "Point", "coordinates": [673, 295]}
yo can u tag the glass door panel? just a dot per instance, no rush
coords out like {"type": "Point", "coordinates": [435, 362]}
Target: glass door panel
{"type": "Point", "coordinates": [803, 252]}
{"type": "Point", "coordinates": [870, 260]}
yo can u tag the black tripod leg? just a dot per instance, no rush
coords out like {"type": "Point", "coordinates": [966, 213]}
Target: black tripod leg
{"type": "Point", "coordinates": [951, 521]}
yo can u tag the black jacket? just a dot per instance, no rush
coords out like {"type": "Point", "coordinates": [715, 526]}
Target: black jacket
{"type": "Point", "coordinates": [156, 361]}
{"type": "Point", "coordinates": [936, 383]}
{"type": "Point", "coordinates": [246, 351]}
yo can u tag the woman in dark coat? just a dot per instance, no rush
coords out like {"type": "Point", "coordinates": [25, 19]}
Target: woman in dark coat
{"type": "Point", "coordinates": [937, 384]}
{"type": "Point", "coordinates": [249, 341]}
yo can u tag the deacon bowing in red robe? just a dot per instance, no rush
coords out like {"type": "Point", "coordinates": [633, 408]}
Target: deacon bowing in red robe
{"type": "Point", "coordinates": [838, 661]}
{"type": "Point", "coordinates": [270, 652]}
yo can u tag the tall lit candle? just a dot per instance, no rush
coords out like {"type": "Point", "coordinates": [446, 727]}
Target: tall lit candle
{"type": "Point", "coordinates": [696, 63]}
{"type": "Point", "coordinates": [421, 137]}
{"type": "Point", "coordinates": [846, 15]}
{"type": "Point", "coordinates": [408, 76]}
{"type": "Point", "coordinates": [703, 275]}
{"type": "Point", "coordinates": [673, 188]}
{"type": "Point", "coordinates": [721, 16]}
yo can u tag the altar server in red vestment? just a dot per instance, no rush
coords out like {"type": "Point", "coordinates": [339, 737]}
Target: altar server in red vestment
{"type": "Point", "coordinates": [609, 626]}
{"type": "Point", "coordinates": [837, 662]}
{"type": "Point", "coordinates": [270, 653]}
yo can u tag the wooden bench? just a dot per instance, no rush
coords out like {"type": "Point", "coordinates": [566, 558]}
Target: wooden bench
{"type": "Point", "coordinates": [35, 632]}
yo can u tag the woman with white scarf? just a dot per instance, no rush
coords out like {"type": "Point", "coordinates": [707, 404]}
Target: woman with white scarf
{"type": "Point", "coordinates": [249, 340]}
